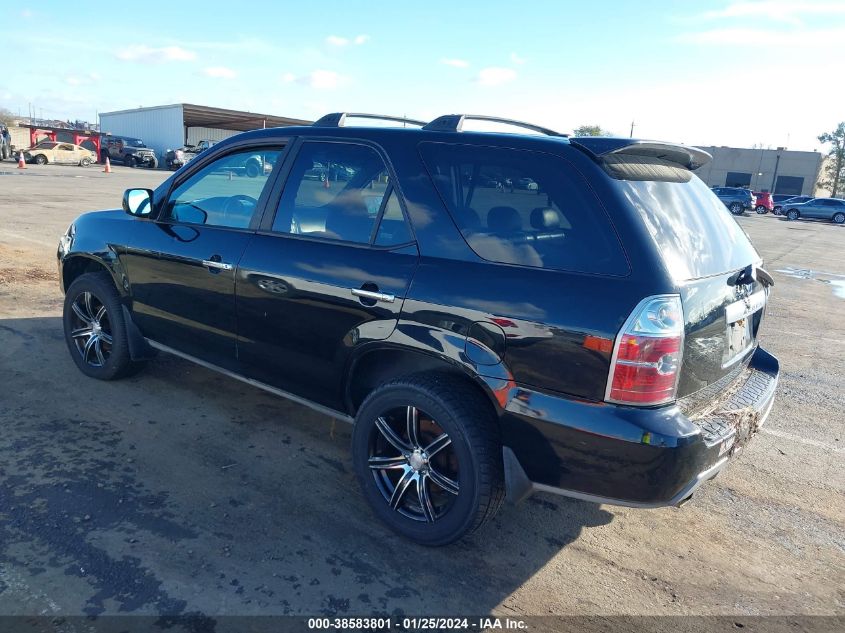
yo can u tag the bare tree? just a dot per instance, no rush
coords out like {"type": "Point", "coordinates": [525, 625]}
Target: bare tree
{"type": "Point", "coordinates": [6, 117]}
{"type": "Point", "coordinates": [833, 177]}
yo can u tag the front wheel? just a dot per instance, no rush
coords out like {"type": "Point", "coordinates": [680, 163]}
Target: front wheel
{"type": "Point", "coordinates": [427, 455]}
{"type": "Point", "coordinates": [153, 164]}
{"type": "Point", "coordinates": [761, 209]}
{"type": "Point", "coordinates": [95, 331]}
{"type": "Point", "coordinates": [253, 169]}
{"type": "Point", "coordinates": [736, 208]}
{"type": "Point", "coordinates": [839, 218]}
{"type": "Point", "coordinates": [792, 214]}
{"type": "Point", "coordinates": [129, 161]}
{"type": "Point", "coordinates": [85, 162]}
{"type": "Point", "coordinates": [40, 159]}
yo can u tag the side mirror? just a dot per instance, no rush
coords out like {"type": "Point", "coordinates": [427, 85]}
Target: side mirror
{"type": "Point", "coordinates": [138, 202]}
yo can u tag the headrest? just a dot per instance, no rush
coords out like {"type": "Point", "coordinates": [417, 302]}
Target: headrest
{"type": "Point", "coordinates": [545, 219]}
{"type": "Point", "coordinates": [467, 218]}
{"type": "Point", "coordinates": [504, 220]}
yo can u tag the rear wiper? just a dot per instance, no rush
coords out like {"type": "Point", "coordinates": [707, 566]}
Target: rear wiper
{"type": "Point", "coordinates": [747, 276]}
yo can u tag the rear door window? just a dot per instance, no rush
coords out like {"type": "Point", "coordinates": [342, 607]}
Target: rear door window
{"type": "Point", "coordinates": [524, 207]}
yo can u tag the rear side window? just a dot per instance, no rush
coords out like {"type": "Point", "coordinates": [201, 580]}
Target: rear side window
{"type": "Point", "coordinates": [524, 207]}
{"type": "Point", "coordinates": [691, 228]}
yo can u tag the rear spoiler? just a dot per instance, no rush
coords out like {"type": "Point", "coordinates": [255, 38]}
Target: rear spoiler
{"type": "Point", "coordinates": [599, 147]}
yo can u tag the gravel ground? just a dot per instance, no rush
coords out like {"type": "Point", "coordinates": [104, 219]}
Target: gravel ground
{"type": "Point", "coordinates": [179, 491]}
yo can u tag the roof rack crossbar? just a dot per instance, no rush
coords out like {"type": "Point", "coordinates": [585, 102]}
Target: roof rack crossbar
{"type": "Point", "coordinates": [455, 123]}
{"type": "Point", "coordinates": [338, 119]}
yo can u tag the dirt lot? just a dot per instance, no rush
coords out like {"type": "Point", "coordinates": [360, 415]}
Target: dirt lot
{"type": "Point", "coordinates": [180, 491]}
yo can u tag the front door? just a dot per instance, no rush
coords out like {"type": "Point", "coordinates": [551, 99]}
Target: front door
{"type": "Point", "coordinates": [65, 155]}
{"type": "Point", "coordinates": [328, 275]}
{"type": "Point", "coordinates": [182, 264]}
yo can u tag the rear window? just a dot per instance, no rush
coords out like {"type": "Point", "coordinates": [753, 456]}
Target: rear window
{"type": "Point", "coordinates": [523, 207]}
{"type": "Point", "coordinates": [693, 230]}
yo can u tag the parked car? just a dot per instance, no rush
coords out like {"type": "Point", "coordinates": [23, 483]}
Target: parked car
{"type": "Point", "coordinates": [175, 158]}
{"type": "Point", "coordinates": [58, 153]}
{"type": "Point", "coordinates": [789, 200]}
{"type": "Point", "coordinates": [736, 199]}
{"type": "Point", "coordinates": [449, 325]}
{"type": "Point", "coordinates": [130, 151]}
{"type": "Point", "coordinates": [832, 209]}
{"type": "Point", "coordinates": [763, 202]}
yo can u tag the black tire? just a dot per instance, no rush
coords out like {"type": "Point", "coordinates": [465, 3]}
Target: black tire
{"type": "Point", "coordinates": [761, 210]}
{"type": "Point", "coordinates": [129, 161]}
{"type": "Point", "coordinates": [153, 163]}
{"type": "Point", "coordinates": [736, 208]}
{"type": "Point", "coordinates": [85, 162]}
{"type": "Point", "coordinates": [778, 211]}
{"type": "Point", "coordinates": [839, 218]}
{"type": "Point", "coordinates": [471, 453]}
{"type": "Point", "coordinates": [792, 214]}
{"type": "Point", "coordinates": [103, 360]}
{"type": "Point", "coordinates": [253, 168]}
{"type": "Point", "coordinates": [40, 160]}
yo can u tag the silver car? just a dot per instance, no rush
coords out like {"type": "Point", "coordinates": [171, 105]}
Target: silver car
{"type": "Point", "coordinates": [832, 209]}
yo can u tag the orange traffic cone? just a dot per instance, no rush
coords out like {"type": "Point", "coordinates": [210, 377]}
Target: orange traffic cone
{"type": "Point", "coordinates": [21, 161]}
{"type": "Point", "coordinates": [107, 170]}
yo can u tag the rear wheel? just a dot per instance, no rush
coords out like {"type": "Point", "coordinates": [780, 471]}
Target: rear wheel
{"type": "Point", "coordinates": [792, 214]}
{"type": "Point", "coordinates": [95, 331]}
{"type": "Point", "coordinates": [761, 209]}
{"type": "Point", "coordinates": [839, 218]}
{"type": "Point", "coordinates": [253, 168]}
{"type": "Point", "coordinates": [40, 159]}
{"type": "Point", "coordinates": [736, 208]}
{"type": "Point", "coordinates": [85, 162]}
{"type": "Point", "coordinates": [427, 455]}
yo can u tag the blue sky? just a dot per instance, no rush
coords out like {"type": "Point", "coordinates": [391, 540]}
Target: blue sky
{"type": "Point", "coordinates": [722, 72]}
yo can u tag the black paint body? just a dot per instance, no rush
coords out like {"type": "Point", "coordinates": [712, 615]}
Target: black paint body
{"type": "Point", "coordinates": [285, 315]}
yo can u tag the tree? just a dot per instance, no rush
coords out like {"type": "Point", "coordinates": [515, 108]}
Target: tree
{"type": "Point", "coordinates": [6, 117]}
{"type": "Point", "coordinates": [590, 130]}
{"type": "Point", "coordinates": [833, 176]}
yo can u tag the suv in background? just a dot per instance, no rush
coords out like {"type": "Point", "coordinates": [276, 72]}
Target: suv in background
{"type": "Point", "coordinates": [130, 151]}
{"type": "Point", "coordinates": [832, 209]}
{"type": "Point", "coordinates": [763, 202]}
{"type": "Point", "coordinates": [779, 203]}
{"type": "Point", "coordinates": [591, 333]}
{"type": "Point", "coordinates": [736, 199]}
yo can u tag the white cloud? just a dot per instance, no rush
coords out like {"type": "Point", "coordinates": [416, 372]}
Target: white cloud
{"type": "Point", "coordinates": [336, 40]}
{"type": "Point", "coordinates": [516, 59]}
{"type": "Point", "coordinates": [361, 39]}
{"type": "Point", "coordinates": [495, 76]}
{"type": "Point", "coordinates": [143, 53]}
{"type": "Point", "coordinates": [455, 63]}
{"type": "Point", "coordinates": [742, 36]}
{"type": "Point", "coordinates": [82, 80]}
{"type": "Point", "coordinates": [777, 10]}
{"type": "Point", "coordinates": [219, 72]}
{"type": "Point", "coordinates": [319, 79]}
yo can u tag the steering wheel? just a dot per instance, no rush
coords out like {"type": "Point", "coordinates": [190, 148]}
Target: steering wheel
{"type": "Point", "coordinates": [235, 206]}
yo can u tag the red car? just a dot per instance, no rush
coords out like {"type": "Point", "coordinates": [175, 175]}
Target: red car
{"type": "Point", "coordinates": [764, 202]}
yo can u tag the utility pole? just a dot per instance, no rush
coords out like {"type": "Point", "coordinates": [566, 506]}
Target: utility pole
{"type": "Point", "coordinates": [632, 130]}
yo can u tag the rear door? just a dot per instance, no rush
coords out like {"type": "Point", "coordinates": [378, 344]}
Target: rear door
{"type": "Point", "coordinates": [327, 273]}
{"type": "Point", "coordinates": [182, 264]}
{"type": "Point", "coordinates": [64, 154]}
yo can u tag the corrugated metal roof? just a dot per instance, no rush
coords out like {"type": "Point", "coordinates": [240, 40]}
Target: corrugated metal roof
{"type": "Point", "coordinates": [207, 116]}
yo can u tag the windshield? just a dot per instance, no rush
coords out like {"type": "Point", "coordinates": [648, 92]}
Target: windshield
{"type": "Point", "coordinates": [134, 142]}
{"type": "Point", "coordinates": [693, 230]}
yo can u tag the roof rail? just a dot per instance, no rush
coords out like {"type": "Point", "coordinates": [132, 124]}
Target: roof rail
{"type": "Point", "coordinates": [455, 122]}
{"type": "Point", "coordinates": [338, 119]}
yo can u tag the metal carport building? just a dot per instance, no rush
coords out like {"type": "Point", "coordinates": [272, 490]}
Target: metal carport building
{"type": "Point", "coordinates": [171, 126]}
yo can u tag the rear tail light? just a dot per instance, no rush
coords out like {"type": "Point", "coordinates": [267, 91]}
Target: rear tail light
{"type": "Point", "coordinates": [646, 361]}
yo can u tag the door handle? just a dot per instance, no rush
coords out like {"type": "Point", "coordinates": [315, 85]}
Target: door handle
{"type": "Point", "coordinates": [373, 295]}
{"type": "Point", "coordinates": [210, 263]}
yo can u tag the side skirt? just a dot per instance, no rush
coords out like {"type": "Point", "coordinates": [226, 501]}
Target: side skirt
{"type": "Point", "coordinates": [255, 383]}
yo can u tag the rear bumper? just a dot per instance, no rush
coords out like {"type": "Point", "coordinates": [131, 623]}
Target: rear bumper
{"type": "Point", "coordinates": [629, 456]}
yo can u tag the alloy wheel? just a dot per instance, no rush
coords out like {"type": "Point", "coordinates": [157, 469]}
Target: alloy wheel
{"type": "Point", "coordinates": [414, 464]}
{"type": "Point", "coordinates": [91, 329]}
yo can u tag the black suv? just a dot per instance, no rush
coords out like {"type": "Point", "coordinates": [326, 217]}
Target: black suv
{"type": "Point", "coordinates": [130, 151]}
{"type": "Point", "coordinates": [586, 334]}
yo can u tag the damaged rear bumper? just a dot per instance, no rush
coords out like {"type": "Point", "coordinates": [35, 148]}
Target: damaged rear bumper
{"type": "Point", "coordinates": [642, 458]}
